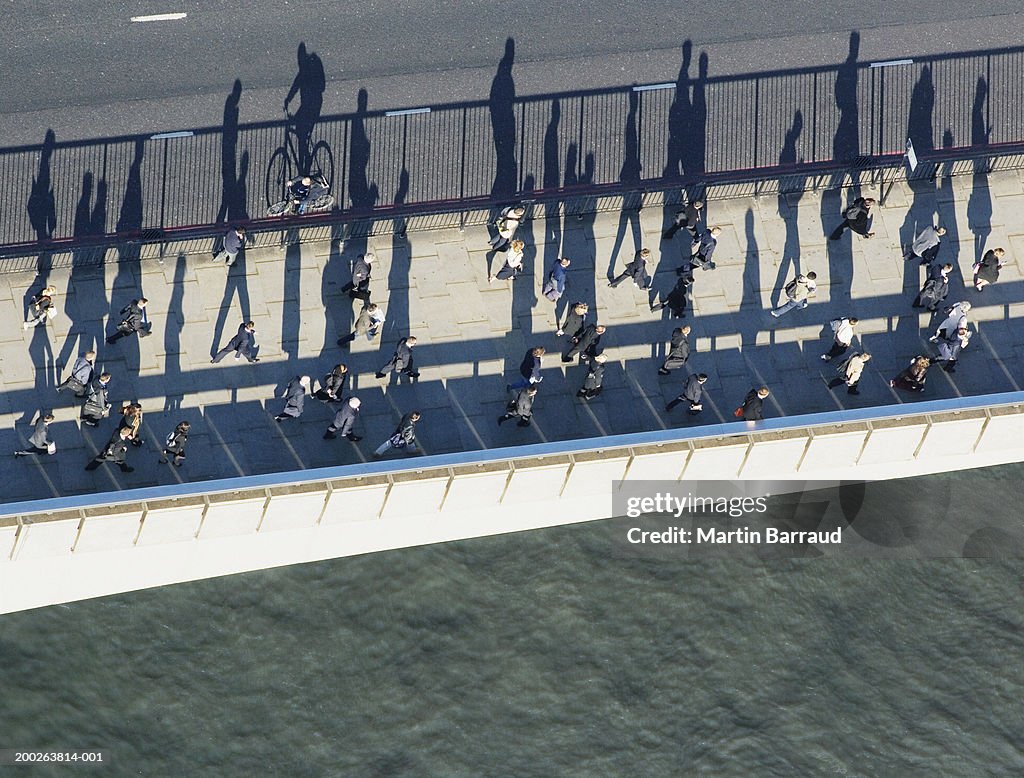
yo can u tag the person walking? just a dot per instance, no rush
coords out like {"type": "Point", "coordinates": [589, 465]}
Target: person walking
{"type": "Point", "coordinates": [936, 287]}
{"type": "Point", "coordinates": [81, 375]}
{"type": "Point", "coordinates": [133, 320]}
{"type": "Point", "coordinates": [234, 240]}
{"type": "Point", "coordinates": [40, 308]}
{"type": "Point", "coordinates": [243, 344]}
{"type": "Point", "coordinates": [676, 300]}
{"type": "Point", "coordinates": [295, 398]}
{"type": "Point", "coordinates": [925, 246]}
{"type": "Point", "coordinates": [39, 441]}
{"type": "Point", "coordinates": [753, 405]}
{"type": "Point", "coordinates": [956, 318]}
{"type": "Point", "coordinates": [370, 320]}
{"type": "Point", "coordinates": [520, 405]}
{"type": "Point", "coordinates": [799, 291]}
{"type": "Point", "coordinates": [587, 343]}
{"type": "Point", "coordinates": [987, 270]}
{"type": "Point", "coordinates": [96, 406]}
{"type": "Point", "coordinates": [575, 319]}
{"type": "Point", "coordinates": [912, 378]}
{"type": "Point", "coordinates": [507, 223]}
{"type": "Point", "coordinates": [950, 345]}
{"type": "Point", "coordinates": [844, 332]}
{"type": "Point", "coordinates": [702, 249]}
{"type": "Point", "coordinates": [404, 437]}
{"type": "Point", "coordinates": [636, 270]}
{"type": "Point", "coordinates": [554, 287]}
{"type": "Point", "coordinates": [513, 263]}
{"type": "Point", "coordinates": [693, 394]}
{"type": "Point", "coordinates": [592, 382]}
{"type": "Point", "coordinates": [529, 369]}
{"type": "Point", "coordinates": [401, 361]}
{"type": "Point", "coordinates": [332, 386]}
{"type": "Point", "coordinates": [856, 218]}
{"type": "Point", "coordinates": [678, 351]}
{"type": "Point", "coordinates": [131, 419]}
{"type": "Point", "coordinates": [689, 218]}
{"type": "Point", "coordinates": [116, 452]}
{"type": "Point", "coordinates": [174, 445]}
{"type": "Point", "coordinates": [850, 372]}
{"type": "Point", "coordinates": [345, 421]}
{"type": "Point", "coordinates": [359, 287]}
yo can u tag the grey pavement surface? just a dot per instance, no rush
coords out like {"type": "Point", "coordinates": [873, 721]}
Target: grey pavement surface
{"type": "Point", "coordinates": [473, 334]}
{"type": "Point", "coordinates": [88, 72]}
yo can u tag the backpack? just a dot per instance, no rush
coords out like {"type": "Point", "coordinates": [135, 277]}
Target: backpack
{"type": "Point", "coordinates": [791, 287]}
{"type": "Point", "coordinates": [853, 212]}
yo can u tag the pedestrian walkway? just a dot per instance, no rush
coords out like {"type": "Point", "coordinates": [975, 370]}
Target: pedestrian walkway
{"type": "Point", "coordinates": [472, 334]}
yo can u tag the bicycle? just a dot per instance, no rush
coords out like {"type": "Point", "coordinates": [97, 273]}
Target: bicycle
{"type": "Point", "coordinates": [319, 199]}
{"type": "Point", "coordinates": [286, 163]}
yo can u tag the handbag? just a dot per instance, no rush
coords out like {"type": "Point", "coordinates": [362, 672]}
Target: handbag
{"type": "Point", "coordinates": [738, 413]}
{"type": "Point", "coordinates": [51, 448]}
{"type": "Point", "coordinates": [51, 313]}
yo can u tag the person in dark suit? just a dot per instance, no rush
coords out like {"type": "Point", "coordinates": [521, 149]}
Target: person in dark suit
{"type": "Point", "coordinates": [936, 287]}
{"type": "Point", "coordinates": [174, 446]}
{"type": "Point", "coordinates": [857, 218]}
{"type": "Point", "coordinates": [404, 436]}
{"type": "Point", "coordinates": [116, 452]}
{"type": "Point", "coordinates": [359, 287]}
{"type": "Point", "coordinates": [689, 218]}
{"type": "Point", "coordinates": [332, 387]}
{"type": "Point", "coordinates": [401, 361]}
{"type": "Point", "coordinates": [693, 393]}
{"type": "Point", "coordinates": [96, 405]}
{"type": "Point", "coordinates": [676, 300]}
{"type": "Point", "coordinates": [636, 270]}
{"type": "Point", "coordinates": [520, 405]}
{"type": "Point", "coordinates": [345, 421]}
{"type": "Point", "coordinates": [295, 398]}
{"type": "Point", "coordinates": [987, 270]}
{"type": "Point", "coordinates": [588, 343]}
{"type": "Point", "coordinates": [243, 344]}
{"type": "Point", "coordinates": [703, 248]}
{"type": "Point", "coordinates": [594, 378]}
{"type": "Point", "coordinates": [529, 369]}
{"type": "Point", "coordinates": [39, 441]}
{"type": "Point", "coordinates": [575, 318]}
{"type": "Point", "coordinates": [753, 404]}
{"type": "Point", "coordinates": [133, 320]}
{"type": "Point", "coordinates": [678, 351]}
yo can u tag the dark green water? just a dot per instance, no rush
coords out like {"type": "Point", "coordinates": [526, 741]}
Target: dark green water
{"type": "Point", "coordinates": [549, 653]}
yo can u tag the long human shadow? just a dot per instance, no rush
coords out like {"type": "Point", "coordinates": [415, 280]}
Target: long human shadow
{"type": "Point", "coordinates": [127, 285]}
{"type": "Point", "coordinates": [173, 326]}
{"type": "Point", "coordinates": [789, 210]}
{"type": "Point", "coordinates": [750, 302]}
{"type": "Point", "coordinates": [399, 272]}
{"type": "Point", "coordinates": [979, 205]}
{"type": "Point", "coordinates": [629, 176]}
{"type": "Point", "coordinates": [551, 180]}
{"type": "Point", "coordinates": [231, 200]}
{"type": "Point", "coordinates": [309, 85]}
{"type": "Point", "coordinates": [921, 214]}
{"type": "Point", "coordinates": [946, 207]}
{"type": "Point", "coordinates": [236, 277]}
{"type": "Point", "coordinates": [43, 216]}
{"type": "Point", "coordinates": [696, 122]}
{"type": "Point", "coordinates": [845, 148]}
{"type": "Point", "coordinates": [679, 118]}
{"type": "Point", "coordinates": [501, 105]}
{"type": "Point", "coordinates": [85, 301]}
{"type": "Point", "coordinates": [524, 288]}
{"type": "Point", "coordinates": [583, 270]}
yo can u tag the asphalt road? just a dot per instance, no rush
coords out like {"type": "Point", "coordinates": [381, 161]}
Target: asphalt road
{"type": "Point", "coordinates": [87, 71]}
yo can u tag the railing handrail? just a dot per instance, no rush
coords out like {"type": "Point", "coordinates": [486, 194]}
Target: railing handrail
{"type": "Point", "coordinates": [810, 421]}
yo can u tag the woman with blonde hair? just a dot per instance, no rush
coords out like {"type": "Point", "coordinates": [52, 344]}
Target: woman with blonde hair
{"type": "Point", "coordinates": [40, 308]}
{"type": "Point", "coordinates": [513, 263]}
{"type": "Point", "coordinates": [132, 419]}
{"type": "Point", "coordinates": [912, 378]}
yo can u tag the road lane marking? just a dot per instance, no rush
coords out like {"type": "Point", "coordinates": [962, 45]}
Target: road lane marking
{"type": "Point", "coordinates": [891, 63]}
{"type": "Point", "coordinates": [159, 17]}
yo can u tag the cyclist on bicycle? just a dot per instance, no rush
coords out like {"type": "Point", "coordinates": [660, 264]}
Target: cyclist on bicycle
{"type": "Point", "coordinates": [304, 191]}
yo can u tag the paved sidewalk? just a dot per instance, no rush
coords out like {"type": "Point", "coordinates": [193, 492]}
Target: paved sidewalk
{"type": "Point", "coordinates": [473, 334]}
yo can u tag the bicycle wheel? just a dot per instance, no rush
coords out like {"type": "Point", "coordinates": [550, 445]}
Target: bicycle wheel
{"type": "Point", "coordinates": [279, 172]}
{"type": "Point", "coordinates": [279, 209]}
{"type": "Point", "coordinates": [321, 161]}
{"type": "Point", "coordinates": [321, 203]}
